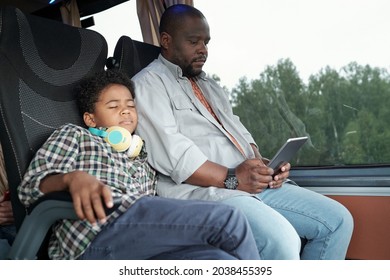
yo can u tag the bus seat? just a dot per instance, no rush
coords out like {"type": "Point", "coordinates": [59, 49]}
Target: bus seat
{"type": "Point", "coordinates": [130, 56]}
{"type": "Point", "coordinates": [41, 60]}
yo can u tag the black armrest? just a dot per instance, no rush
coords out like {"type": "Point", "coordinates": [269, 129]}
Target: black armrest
{"type": "Point", "coordinates": [38, 221]}
{"type": "Point", "coordinates": [63, 196]}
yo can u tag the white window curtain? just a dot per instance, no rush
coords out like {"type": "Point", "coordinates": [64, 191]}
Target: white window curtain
{"type": "Point", "coordinates": [149, 14]}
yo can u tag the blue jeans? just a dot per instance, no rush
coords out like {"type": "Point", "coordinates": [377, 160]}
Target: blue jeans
{"type": "Point", "coordinates": [281, 217]}
{"type": "Point", "coordinates": [4, 248]}
{"type": "Point", "coordinates": [162, 228]}
{"type": "Point", "coordinates": [7, 236]}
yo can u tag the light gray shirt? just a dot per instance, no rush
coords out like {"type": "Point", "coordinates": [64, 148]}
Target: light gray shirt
{"type": "Point", "coordinates": [180, 134]}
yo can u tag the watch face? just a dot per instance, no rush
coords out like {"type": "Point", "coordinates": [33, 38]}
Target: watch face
{"type": "Point", "coordinates": [231, 183]}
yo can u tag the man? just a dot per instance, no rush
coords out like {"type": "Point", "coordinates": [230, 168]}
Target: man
{"type": "Point", "coordinates": [204, 152]}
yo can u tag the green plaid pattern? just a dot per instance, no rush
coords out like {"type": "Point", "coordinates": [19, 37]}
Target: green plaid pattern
{"type": "Point", "coordinates": [73, 148]}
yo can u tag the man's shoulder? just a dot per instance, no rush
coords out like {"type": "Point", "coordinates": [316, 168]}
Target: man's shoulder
{"type": "Point", "coordinates": [154, 66]}
{"type": "Point", "coordinates": [155, 69]}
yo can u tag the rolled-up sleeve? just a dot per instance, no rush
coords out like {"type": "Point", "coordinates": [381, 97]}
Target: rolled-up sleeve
{"type": "Point", "coordinates": [56, 156]}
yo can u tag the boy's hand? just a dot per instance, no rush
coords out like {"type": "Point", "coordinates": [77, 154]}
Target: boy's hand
{"type": "Point", "coordinates": [88, 195]}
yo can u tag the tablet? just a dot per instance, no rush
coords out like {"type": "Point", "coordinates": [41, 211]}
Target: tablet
{"type": "Point", "coordinates": [287, 152]}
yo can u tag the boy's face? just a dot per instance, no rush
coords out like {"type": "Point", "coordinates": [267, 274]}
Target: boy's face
{"type": "Point", "coordinates": [115, 106]}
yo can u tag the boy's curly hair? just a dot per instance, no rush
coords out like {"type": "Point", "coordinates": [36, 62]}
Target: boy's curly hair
{"type": "Point", "coordinates": [89, 89]}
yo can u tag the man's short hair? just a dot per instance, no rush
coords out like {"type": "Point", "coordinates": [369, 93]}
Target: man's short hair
{"type": "Point", "coordinates": [173, 17]}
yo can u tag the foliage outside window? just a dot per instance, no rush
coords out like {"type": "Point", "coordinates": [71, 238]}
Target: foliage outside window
{"type": "Point", "coordinates": [345, 113]}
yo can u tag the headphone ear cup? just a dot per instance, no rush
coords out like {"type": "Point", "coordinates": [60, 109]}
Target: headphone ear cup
{"type": "Point", "coordinates": [119, 138]}
{"type": "Point", "coordinates": [135, 146]}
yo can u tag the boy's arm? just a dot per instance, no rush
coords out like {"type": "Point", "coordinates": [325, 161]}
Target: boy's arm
{"type": "Point", "coordinates": [88, 193]}
{"type": "Point", "coordinates": [53, 169]}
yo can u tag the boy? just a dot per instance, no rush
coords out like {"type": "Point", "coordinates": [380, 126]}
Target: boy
{"type": "Point", "coordinates": [80, 161]}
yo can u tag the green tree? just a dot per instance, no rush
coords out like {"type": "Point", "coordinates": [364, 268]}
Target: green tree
{"type": "Point", "coordinates": [271, 105]}
{"type": "Point", "coordinates": [344, 112]}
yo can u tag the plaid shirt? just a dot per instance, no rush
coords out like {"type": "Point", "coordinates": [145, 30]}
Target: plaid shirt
{"type": "Point", "coordinates": [73, 148]}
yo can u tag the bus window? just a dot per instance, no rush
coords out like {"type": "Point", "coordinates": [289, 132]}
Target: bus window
{"type": "Point", "coordinates": [314, 69]}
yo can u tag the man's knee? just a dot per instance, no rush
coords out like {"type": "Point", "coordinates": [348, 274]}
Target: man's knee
{"type": "Point", "coordinates": [231, 213]}
{"type": "Point", "coordinates": [345, 219]}
{"type": "Point", "coordinates": [226, 217]}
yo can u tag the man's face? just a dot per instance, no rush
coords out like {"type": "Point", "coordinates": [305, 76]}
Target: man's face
{"type": "Point", "coordinates": [187, 47]}
{"type": "Point", "coordinates": [115, 107]}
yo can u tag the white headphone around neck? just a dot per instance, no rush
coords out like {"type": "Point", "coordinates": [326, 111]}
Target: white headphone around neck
{"type": "Point", "coordinates": [120, 139]}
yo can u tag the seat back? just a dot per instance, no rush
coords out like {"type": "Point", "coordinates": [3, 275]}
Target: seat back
{"type": "Point", "coordinates": [41, 61]}
{"type": "Point", "coordinates": [130, 56]}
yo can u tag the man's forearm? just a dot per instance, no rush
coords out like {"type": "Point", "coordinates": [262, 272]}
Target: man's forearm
{"type": "Point", "coordinates": [209, 174]}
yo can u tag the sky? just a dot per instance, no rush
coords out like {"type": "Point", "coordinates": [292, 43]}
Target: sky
{"type": "Point", "coordinates": [249, 35]}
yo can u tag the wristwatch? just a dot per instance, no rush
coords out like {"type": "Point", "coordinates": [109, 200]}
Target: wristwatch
{"type": "Point", "coordinates": [231, 181]}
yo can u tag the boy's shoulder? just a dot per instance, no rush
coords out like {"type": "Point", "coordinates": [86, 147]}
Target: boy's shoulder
{"type": "Point", "coordinates": [72, 127]}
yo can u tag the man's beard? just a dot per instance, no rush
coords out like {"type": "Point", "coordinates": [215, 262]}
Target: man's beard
{"type": "Point", "coordinates": [190, 72]}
